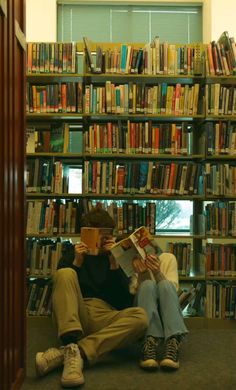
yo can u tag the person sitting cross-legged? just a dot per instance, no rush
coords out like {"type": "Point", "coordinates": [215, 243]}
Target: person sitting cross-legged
{"type": "Point", "coordinates": [92, 307]}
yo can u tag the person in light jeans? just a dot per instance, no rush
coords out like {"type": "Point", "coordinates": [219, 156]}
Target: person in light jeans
{"type": "Point", "coordinates": [158, 297]}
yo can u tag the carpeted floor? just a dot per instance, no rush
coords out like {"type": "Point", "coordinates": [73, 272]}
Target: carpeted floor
{"type": "Point", "coordinates": [208, 361]}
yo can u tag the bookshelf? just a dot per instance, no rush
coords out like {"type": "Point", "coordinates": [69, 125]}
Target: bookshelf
{"type": "Point", "coordinates": [144, 137]}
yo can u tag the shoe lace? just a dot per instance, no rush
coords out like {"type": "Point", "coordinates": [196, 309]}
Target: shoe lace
{"type": "Point", "coordinates": [52, 354]}
{"type": "Point", "coordinates": [150, 348]}
{"type": "Point", "coordinates": [72, 357]}
{"type": "Point", "coordinates": [171, 351]}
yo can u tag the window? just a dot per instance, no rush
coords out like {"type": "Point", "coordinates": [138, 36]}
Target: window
{"type": "Point", "coordinates": [173, 216]}
{"type": "Point", "coordinates": [129, 23]}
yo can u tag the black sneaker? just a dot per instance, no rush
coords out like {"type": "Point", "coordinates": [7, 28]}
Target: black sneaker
{"type": "Point", "coordinates": [148, 359]}
{"type": "Point", "coordinates": [170, 358]}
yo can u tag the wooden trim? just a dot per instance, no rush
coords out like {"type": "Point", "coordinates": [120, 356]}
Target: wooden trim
{"type": "Point", "coordinates": [20, 35]}
{"type": "Point", "coordinates": [12, 226]}
{"type": "Point", "coordinates": [3, 6]}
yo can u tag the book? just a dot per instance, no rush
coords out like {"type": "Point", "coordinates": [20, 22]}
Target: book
{"type": "Point", "coordinates": [136, 247]}
{"type": "Point", "coordinates": [88, 54]}
{"type": "Point", "coordinates": [94, 237]}
{"type": "Point", "coordinates": [30, 140]}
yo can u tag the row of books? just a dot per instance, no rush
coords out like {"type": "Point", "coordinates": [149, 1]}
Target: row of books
{"type": "Point", "coordinates": [45, 57]}
{"type": "Point", "coordinates": [52, 216]}
{"type": "Point", "coordinates": [39, 300]}
{"type": "Point", "coordinates": [182, 252]}
{"type": "Point", "coordinates": [221, 259]}
{"type": "Point", "coordinates": [141, 98]}
{"type": "Point", "coordinates": [139, 138]}
{"type": "Point", "coordinates": [221, 218]}
{"type": "Point", "coordinates": [220, 179]}
{"type": "Point", "coordinates": [54, 98]}
{"type": "Point", "coordinates": [221, 138]}
{"type": "Point", "coordinates": [128, 215]}
{"type": "Point", "coordinates": [220, 300]}
{"type": "Point", "coordinates": [110, 177]}
{"type": "Point", "coordinates": [221, 56]}
{"type": "Point", "coordinates": [43, 256]}
{"type": "Point", "coordinates": [48, 176]}
{"type": "Point", "coordinates": [66, 138]}
{"type": "Point", "coordinates": [151, 59]}
{"type": "Point", "coordinates": [220, 99]}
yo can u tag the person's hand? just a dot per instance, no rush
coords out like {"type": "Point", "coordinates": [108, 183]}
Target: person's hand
{"type": "Point", "coordinates": [152, 263]}
{"type": "Point", "coordinates": [80, 250]}
{"type": "Point", "coordinates": [107, 243]}
{"type": "Point", "coordinates": [138, 265]}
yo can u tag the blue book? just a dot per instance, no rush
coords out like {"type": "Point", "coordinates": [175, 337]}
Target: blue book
{"type": "Point", "coordinates": [143, 174]}
{"type": "Point", "coordinates": [123, 58]}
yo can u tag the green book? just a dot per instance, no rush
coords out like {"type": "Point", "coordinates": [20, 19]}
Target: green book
{"type": "Point", "coordinates": [75, 141]}
{"type": "Point", "coordinates": [57, 140]}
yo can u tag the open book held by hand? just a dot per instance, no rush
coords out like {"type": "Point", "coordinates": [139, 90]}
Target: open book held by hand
{"type": "Point", "coordinates": [136, 247]}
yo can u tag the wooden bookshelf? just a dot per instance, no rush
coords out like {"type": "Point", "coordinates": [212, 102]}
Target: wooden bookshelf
{"type": "Point", "coordinates": [95, 85]}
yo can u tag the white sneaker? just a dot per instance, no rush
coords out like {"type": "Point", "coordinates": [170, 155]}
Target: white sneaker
{"type": "Point", "coordinates": [72, 375]}
{"type": "Point", "coordinates": [48, 360]}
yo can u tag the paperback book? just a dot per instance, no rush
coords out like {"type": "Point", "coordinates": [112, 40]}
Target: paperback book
{"type": "Point", "coordinates": [136, 247]}
{"type": "Point", "coordinates": [94, 238]}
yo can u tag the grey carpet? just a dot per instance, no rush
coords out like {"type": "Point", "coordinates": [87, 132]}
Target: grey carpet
{"type": "Point", "coordinates": [208, 361]}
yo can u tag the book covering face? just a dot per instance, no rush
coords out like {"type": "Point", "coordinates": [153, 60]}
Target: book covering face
{"type": "Point", "coordinates": [94, 238]}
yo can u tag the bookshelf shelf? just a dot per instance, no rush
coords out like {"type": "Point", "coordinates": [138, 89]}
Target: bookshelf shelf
{"type": "Point", "coordinates": [53, 116]}
{"type": "Point", "coordinates": [144, 116]}
{"type": "Point", "coordinates": [223, 278]}
{"type": "Point", "coordinates": [43, 195]}
{"type": "Point", "coordinates": [62, 155]}
{"type": "Point", "coordinates": [145, 156]}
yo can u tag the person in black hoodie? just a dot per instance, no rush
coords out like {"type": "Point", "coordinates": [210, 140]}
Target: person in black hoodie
{"type": "Point", "coordinates": [92, 307]}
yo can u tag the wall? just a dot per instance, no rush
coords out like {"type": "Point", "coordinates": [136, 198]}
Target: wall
{"type": "Point", "coordinates": [218, 16]}
{"type": "Point", "coordinates": [41, 21]}
{"type": "Point", "coordinates": [223, 17]}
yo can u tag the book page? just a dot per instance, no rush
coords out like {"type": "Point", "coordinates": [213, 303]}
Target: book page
{"type": "Point", "coordinates": [125, 253]}
{"type": "Point", "coordinates": [134, 248]}
{"type": "Point", "coordinates": [144, 242]}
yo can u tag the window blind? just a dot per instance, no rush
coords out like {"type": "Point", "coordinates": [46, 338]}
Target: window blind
{"type": "Point", "coordinates": [119, 23]}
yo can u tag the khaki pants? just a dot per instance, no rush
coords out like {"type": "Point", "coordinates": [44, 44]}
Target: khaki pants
{"type": "Point", "coordinates": [103, 328]}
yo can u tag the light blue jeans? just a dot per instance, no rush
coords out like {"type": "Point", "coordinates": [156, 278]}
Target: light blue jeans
{"type": "Point", "coordinates": [161, 303]}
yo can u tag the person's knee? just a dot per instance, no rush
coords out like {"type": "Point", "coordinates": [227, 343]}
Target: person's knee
{"type": "Point", "coordinates": [147, 286]}
{"type": "Point", "coordinates": [165, 285]}
{"type": "Point", "coordinates": [141, 318]}
{"type": "Point", "coordinates": [65, 275]}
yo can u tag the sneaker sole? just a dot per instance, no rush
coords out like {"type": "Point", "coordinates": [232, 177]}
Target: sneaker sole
{"type": "Point", "coordinates": [168, 364]}
{"type": "Point", "coordinates": [149, 364]}
{"type": "Point", "coordinates": [72, 383]}
{"type": "Point", "coordinates": [39, 371]}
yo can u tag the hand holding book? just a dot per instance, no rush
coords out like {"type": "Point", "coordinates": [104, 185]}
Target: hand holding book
{"type": "Point", "coordinates": [137, 253]}
{"type": "Point", "coordinates": [80, 250]}
{"type": "Point", "coordinates": [152, 263]}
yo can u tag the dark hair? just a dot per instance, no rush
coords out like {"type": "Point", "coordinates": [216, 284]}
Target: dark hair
{"type": "Point", "coordinates": [98, 217]}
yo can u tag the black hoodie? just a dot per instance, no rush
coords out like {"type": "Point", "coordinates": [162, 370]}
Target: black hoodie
{"type": "Point", "coordinates": [96, 280]}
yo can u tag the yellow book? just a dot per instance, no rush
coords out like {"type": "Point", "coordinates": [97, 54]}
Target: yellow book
{"type": "Point", "coordinates": [94, 238]}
